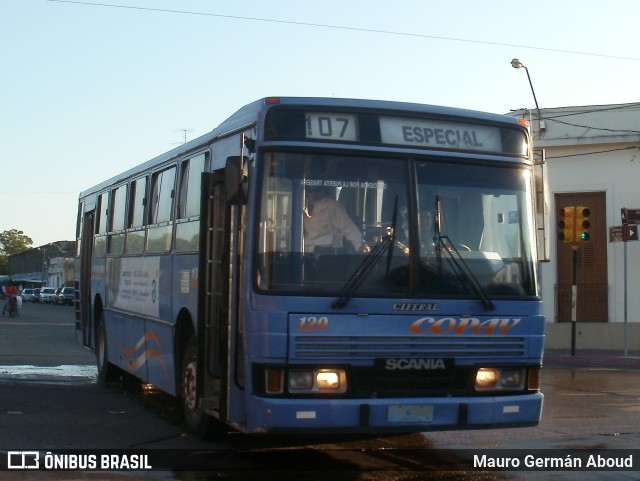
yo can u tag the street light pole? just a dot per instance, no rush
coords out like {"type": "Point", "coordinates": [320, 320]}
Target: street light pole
{"type": "Point", "coordinates": [515, 63]}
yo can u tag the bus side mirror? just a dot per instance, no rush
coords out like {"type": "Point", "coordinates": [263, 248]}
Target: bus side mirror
{"type": "Point", "coordinates": [235, 179]}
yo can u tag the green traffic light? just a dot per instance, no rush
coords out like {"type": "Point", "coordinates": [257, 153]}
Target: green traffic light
{"type": "Point", "coordinates": [582, 223]}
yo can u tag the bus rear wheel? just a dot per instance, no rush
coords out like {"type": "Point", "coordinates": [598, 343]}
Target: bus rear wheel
{"type": "Point", "coordinates": [107, 372]}
{"type": "Point", "coordinates": [197, 421]}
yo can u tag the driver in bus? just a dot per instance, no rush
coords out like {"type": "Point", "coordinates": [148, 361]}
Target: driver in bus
{"type": "Point", "coordinates": [326, 222]}
{"type": "Point", "coordinates": [426, 232]}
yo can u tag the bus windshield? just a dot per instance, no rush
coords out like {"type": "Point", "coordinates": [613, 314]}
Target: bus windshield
{"type": "Point", "coordinates": [321, 215]}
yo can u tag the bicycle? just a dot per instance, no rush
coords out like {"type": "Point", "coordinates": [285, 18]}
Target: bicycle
{"type": "Point", "coordinates": [13, 307]}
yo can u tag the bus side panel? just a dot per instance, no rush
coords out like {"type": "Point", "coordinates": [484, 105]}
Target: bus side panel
{"type": "Point", "coordinates": [179, 304]}
{"type": "Point", "coordinates": [126, 343]}
{"type": "Point", "coordinates": [158, 351]}
{"type": "Point", "coordinates": [139, 318]}
{"type": "Point", "coordinates": [185, 287]}
{"type": "Point", "coordinates": [141, 348]}
{"type": "Point", "coordinates": [140, 345]}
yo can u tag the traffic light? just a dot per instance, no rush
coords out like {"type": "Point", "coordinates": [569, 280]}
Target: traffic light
{"type": "Point", "coordinates": [582, 223]}
{"type": "Point", "coordinates": [566, 224]}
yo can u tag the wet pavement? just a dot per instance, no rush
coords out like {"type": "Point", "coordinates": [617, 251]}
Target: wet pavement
{"type": "Point", "coordinates": [591, 358]}
{"type": "Point", "coordinates": [65, 373]}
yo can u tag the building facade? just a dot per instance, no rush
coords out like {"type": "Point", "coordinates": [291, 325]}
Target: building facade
{"type": "Point", "coordinates": [48, 265]}
{"type": "Point", "coordinates": [591, 156]}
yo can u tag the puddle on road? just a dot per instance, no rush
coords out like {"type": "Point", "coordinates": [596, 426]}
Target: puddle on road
{"type": "Point", "coordinates": [57, 374]}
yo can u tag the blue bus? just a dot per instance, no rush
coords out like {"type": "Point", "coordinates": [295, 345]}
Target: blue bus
{"type": "Point", "coordinates": [412, 304]}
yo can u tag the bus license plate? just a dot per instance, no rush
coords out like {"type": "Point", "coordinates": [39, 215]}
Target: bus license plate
{"type": "Point", "coordinates": [410, 413]}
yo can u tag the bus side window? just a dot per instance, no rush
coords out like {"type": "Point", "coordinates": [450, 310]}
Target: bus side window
{"type": "Point", "coordinates": [137, 196]}
{"type": "Point", "coordinates": [160, 211]}
{"type": "Point", "coordinates": [100, 245]}
{"type": "Point", "coordinates": [117, 220]}
{"type": "Point", "coordinates": [189, 189]}
{"type": "Point", "coordinates": [134, 243]}
{"type": "Point", "coordinates": [188, 209]}
{"type": "Point", "coordinates": [162, 196]}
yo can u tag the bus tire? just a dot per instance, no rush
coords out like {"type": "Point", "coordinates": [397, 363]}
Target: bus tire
{"type": "Point", "coordinates": [198, 423]}
{"type": "Point", "coordinates": [107, 372]}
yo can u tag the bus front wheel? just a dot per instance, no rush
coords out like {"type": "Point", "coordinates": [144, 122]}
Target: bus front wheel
{"type": "Point", "coordinates": [198, 422]}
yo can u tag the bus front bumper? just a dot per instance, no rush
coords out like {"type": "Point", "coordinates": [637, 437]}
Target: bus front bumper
{"type": "Point", "coordinates": [393, 415]}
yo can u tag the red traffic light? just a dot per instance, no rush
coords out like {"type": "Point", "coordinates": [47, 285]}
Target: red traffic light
{"type": "Point", "coordinates": [566, 224]}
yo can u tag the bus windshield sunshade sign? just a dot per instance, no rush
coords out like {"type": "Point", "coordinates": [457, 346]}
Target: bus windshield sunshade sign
{"type": "Point", "coordinates": [439, 134]}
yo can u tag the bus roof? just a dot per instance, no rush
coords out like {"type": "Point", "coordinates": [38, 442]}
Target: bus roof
{"type": "Point", "coordinates": [390, 105]}
{"type": "Point", "coordinates": [248, 114]}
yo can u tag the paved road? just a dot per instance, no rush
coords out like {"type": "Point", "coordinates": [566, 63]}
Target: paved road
{"type": "Point", "coordinates": [42, 335]}
{"type": "Point", "coordinates": [49, 400]}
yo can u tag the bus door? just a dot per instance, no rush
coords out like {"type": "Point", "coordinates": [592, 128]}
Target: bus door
{"type": "Point", "coordinates": [86, 253]}
{"type": "Point", "coordinates": [213, 299]}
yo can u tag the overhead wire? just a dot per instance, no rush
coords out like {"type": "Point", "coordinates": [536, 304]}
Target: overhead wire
{"type": "Point", "coordinates": [343, 27]}
{"type": "Point", "coordinates": [627, 131]}
{"type": "Point", "coordinates": [552, 118]}
{"type": "Point", "coordinates": [573, 113]}
{"type": "Point", "coordinates": [606, 108]}
{"type": "Point", "coordinates": [593, 153]}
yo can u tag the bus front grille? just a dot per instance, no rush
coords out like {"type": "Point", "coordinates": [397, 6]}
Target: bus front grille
{"type": "Point", "coordinates": [370, 356]}
{"type": "Point", "coordinates": [345, 348]}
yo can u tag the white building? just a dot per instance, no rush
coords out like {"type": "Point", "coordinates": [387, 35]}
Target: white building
{"type": "Point", "coordinates": [60, 272]}
{"type": "Point", "coordinates": [592, 159]}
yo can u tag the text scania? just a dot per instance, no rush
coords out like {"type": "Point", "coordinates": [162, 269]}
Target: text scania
{"type": "Point", "coordinates": [415, 364]}
{"type": "Point", "coordinates": [467, 325]}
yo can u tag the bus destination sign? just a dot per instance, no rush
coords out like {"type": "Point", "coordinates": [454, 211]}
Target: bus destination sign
{"type": "Point", "coordinates": [439, 134]}
{"type": "Point", "coordinates": [406, 131]}
{"type": "Point", "coordinates": [331, 126]}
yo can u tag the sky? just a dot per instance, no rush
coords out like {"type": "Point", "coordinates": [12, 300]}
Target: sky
{"type": "Point", "coordinates": [90, 89]}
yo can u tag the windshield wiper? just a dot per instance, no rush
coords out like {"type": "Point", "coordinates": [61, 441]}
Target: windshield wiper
{"type": "Point", "coordinates": [457, 264]}
{"type": "Point", "coordinates": [359, 275]}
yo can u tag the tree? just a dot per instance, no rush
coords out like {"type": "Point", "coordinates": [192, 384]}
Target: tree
{"type": "Point", "coordinates": [12, 242]}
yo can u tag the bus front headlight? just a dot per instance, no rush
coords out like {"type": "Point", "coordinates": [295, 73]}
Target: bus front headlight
{"type": "Point", "coordinates": [327, 381]}
{"type": "Point", "coordinates": [300, 380]}
{"type": "Point", "coordinates": [486, 378]}
{"type": "Point", "coordinates": [500, 379]}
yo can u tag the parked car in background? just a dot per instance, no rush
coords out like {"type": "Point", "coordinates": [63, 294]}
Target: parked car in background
{"type": "Point", "coordinates": [66, 296]}
{"type": "Point", "coordinates": [28, 295]}
{"type": "Point", "coordinates": [46, 295]}
{"type": "Point", "coordinates": [56, 294]}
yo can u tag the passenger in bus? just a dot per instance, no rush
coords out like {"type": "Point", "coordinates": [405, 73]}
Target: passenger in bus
{"type": "Point", "coordinates": [326, 222]}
